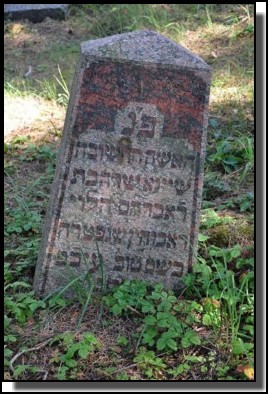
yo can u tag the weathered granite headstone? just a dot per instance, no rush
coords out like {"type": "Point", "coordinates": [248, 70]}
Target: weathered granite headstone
{"type": "Point", "coordinates": [36, 12]}
{"type": "Point", "coordinates": [129, 175]}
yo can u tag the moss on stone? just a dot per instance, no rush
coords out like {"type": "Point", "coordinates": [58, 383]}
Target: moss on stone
{"type": "Point", "coordinates": [237, 232]}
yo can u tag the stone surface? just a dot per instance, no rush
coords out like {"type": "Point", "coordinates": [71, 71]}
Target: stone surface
{"type": "Point", "coordinates": [129, 174]}
{"type": "Point", "coordinates": [35, 12]}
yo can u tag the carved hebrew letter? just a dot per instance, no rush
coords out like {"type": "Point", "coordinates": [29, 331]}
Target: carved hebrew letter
{"type": "Point", "coordinates": [149, 266]}
{"type": "Point", "coordinates": [92, 155]}
{"type": "Point", "coordinates": [177, 269]}
{"type": "Point", "coordinates": [75, 259]}
{"type": "Point", "coordinates": [94, 175]}
{"type": "Point", "coordinates": [123, 207]}
{"type": "Point", "coordinates": [66, 226]}
{"type": "Point", "coordinates": [61, 258]}
{"type": "Point", "coordinates": [78, 171]}
{"type": "Point", "coordinates": [119, 266]}
{"type": "Point", "coordinates": [76, 229]}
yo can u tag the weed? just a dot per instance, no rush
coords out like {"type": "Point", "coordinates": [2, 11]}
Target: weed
{"type": "Point", "coordinates": [23, 90]}
{"type": "Point", "coordinates": [20, 305]}
{"type": "Point", "coordinates": [63, 98]}
{"type": "Point", "coordinates": [8, 340]}
{"type": "Point", "coordinates": [233, 154]}
{"type": "Point", "coordinates": [214, 186]}
{"type": "Point", "coordinates": [79, 286]}
{"type": "Point", "coordinates": [210, 218]}
{"type": "Point", "coordinates": [246, 9]}
{"type": "Point", "coordinates": [243, 202]}
{"type": "Point", "coordinates": [161, 327]}
{"type": "Point", "coordinates": [122, 340]}
{"type": "Point", "coordinates": [72, 352]}
{"type": "Point", "coordinates": [23, 222]}
{"type": "Point", "coordinates": [122, 376]}
{"type": "Point", "coordinates": [21, 369]}
{"type": "Point", "coordinates": [208, 15]}
{"type": "Point", "coordinates": [151, 365]}
{"type": "Point", "coordinates": [120, 18]}
{"type": "Point", "coordinates": [179, 370]}
{"type": "Point", "coordinates": [228, 300]}
{"type": "Point", "coordinates": [58, 93]}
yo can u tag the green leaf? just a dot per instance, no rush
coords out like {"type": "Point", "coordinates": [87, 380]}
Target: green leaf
{"type": "Point", "coordinates": [56, 301]}
{"type": "Point", "coordinates": [122, 340]}
{"type": "Point", "coordinates": [158, 287]}
{"type": "Point", "coordinates": [156, 295]}
{"type": "Point", "coordinates": [7, 352]}
{"type": "Point", "coordinates": [195, 339]}
{"type": "Point", "coordinates": [70, 363]}
{"type": "Point", "coordinates": [37, 304]}
{"type": "Point", "coordinates": [245, 206]}
{"type": "Point", "coordinates": [206, 320]}
{"type": "Point", "coordinates": [149, 372]}
{"type": "Point", "coordinates": [19, 370]}
{"type": "Point", "coordinates": [148, 307]}
{"type": "Point", "coordinates": [162, 315]}
{"type": "Point", "coordinates": [119, 295]}
{"type": "Point", "coordinates": [109, 300]}
{"type": "Point", "coordinates": [147, 338]}
{"type": "Point", "coordinates": [171, 344]}
{"type": "Point", "coordinates": [172, 298]}
{"type": "Point", "coordinates": [61, 375]}
{"type": "Point", "coordinates": [202, 238]}
{"type": "Point", "coordinates": [10, 338]}
{"type": "Point", "coordinates": [178, 370]}
{"type": "Point", "coordinates": [151, 331]}
{"type": "Point", "coordinates": [90, 338]}
{"type": "Point", "coordinates": [150, 320]}
{"type": "Point", "coordinates": [166, 340]}
{"type": "Point", "coordinates": [213, 123]}
{"type": "Point", "coordinates": [231, 160]}
{"type": "Point", "coordinates": [117, 309]}
{"type": "Point", "coordinates": [185, 342]}
{"type": "Point", "coordinates": [84, 351]}
{"type": "Point", "coordinates": [238, 346]}
{"type": "Point", "coordinates": [7, 321]}
{"type": "Point", "coordinates": [161, 343]}
{"type": "Point", "coordinates": [190, 337]}
{"type": "Point", "coordinates": [235, 251]}
{"type": "Point", "coordinates": [165, 306]}
{"type": "Point", "coordinates": [163, 323]}
{"type": "Point", "coordinates": [249, 328]}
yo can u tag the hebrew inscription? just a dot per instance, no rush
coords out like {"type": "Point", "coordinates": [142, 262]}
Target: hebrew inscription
{"type": "Point", "coordinates": [128, 182]}
{"type": "Point", "coordinates": [133, 198]}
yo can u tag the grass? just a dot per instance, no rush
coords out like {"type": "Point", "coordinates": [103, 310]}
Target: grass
{"type": "Point", "coordinates": [136, 331]}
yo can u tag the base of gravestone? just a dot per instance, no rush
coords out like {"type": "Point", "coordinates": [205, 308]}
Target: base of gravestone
{"type": "Point", "coordinates": [35, 12]}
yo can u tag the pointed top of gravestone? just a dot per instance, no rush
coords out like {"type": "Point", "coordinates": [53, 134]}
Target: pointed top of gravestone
{"type": "Point", "coordinates": [145, 46]}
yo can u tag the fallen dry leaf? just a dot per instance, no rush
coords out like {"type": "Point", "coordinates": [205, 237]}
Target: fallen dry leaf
{"type": "Point", "coordinates": [207, 301]}
{"type": "Point", "coordinates": [247, 370]}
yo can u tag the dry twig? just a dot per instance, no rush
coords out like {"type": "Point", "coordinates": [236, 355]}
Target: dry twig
{"type": "Point", "coordinates": [26, 351]}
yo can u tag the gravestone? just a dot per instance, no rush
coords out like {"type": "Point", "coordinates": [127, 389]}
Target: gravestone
{"type": "Point", "coordinates": [36, 12]}
{"type": "Point", "coordinates": [128, 183]}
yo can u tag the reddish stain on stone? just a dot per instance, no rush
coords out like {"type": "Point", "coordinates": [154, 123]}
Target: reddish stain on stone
{"type": "Point", "coordinates": [170, 90]}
